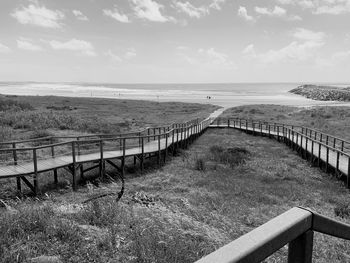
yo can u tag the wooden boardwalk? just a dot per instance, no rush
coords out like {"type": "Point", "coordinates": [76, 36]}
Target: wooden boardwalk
{"type": "Point", "coordinates": [328, 152]}
{"type": "Point", "coordinates": [19, 161]}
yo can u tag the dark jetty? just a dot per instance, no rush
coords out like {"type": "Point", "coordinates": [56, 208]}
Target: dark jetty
{"type": "Point", "coordinates": [324, 93]}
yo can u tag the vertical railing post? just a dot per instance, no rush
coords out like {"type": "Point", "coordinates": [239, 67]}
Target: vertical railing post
{"type": "Point", "coordinates": [338, 157]}
{"type": "Point", "coordinates": [74, 170]}
{"type": "Point", "coordinates": [319, 154]}
{"type": "Point", "coordinates": [327, 159]}
{"type": "Point", "coordinates": [123, 158]}
{"type": "Point", "coordinates": [300, 249]}
{"type": "Point", "coordinates": [18, 179]}
{"type": "Point", "coordinates": [159, 151]}
{"type": "Point", "coordinates": [55, 177]}
{"type": "Point", "coordinates": [142, 154]}
{"type": "Point", "coordinates": [35, 162]}
{"type": "Point", "coordinates": [348, 175]}
{"type": "Point", "coordinates": [166, 146]}
{"type": "Point", "coordinates": [102, 172]}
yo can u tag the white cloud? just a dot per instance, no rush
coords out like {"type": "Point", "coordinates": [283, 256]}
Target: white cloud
{"type": "Point", "coordinates": [276, 11]}
{"type": "Point", "coordinates": [191, 10]}
{"type": "Point", "coordinates": [27, 44]}
{"type": "Point", "coordinates": [198, 12]}
{"type": "Point", "coordinates": [308, 35]}
{"type": "Point", "coordinates": [115, 14]}
{"type": "Point", "coordinates": [79, 15]}
{"type": "Point", "coordinates": [130, 53]}
{"type": "Point", "coordinates": [4, 49]}
{"type": "Point", "coordinates": [292, 53]}
{"type": "Point", "coordinates": [216, 4]}
{"type": "Point", "coordinates": [113, 56]}
{"type": "Point", "coordinates": [243, 13]}
{"type": "Point", "coordinates": [319, 7]}
{"type": "Point", "coordinates": [38, 16]}
{"type": "Point", "coordinates": [150, 10]}
{"type": "Point", "coordinates": [83, 47]}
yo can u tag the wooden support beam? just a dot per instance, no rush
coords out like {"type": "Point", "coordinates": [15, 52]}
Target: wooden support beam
{"type": "Point", "coordinates": [26, 181]}
{"type": "Point", "coordinates": [300, 249]}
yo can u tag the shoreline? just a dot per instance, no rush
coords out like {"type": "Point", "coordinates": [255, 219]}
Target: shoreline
{"type": "Point", "coordinates": [224, 95]}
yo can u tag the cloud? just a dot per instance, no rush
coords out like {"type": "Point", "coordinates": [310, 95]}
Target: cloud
{"type": "Point", "coordinates": [198, 12]}
{"type": "Point", "coordinates": [150, 10]}
{"type": "Point", "coordinates": [130, 53]}
{"type": "Point", "coordinates": [26, 44]}
{"type": "Point", "coordinates": [190, 10]}
{"type": "Point", "coordinates": [79, 15]}
{"type": "Point", "coordinates": [292, 53]}
{"type": "Point", "coordinates": [210, 58]}
{"type": "Point", "coordinates": [38, 16]}
{"type": "Point", "coordinates": [115, 14]}
{"type": "Point", "coordinates": [216, 4]}
{"type": "Point", "coordinates": [320, 7]}
{"type": "Point", "coordinates": [4, 49]}
{"type": "Point", "coordinates": [83, 47]}
{"type": "Point", "coordinates": [308, 35]}
{"type": "Point", "coordinates": [243, 13]}
{"type": "Point", "coordinates": [277, 11]}
{"type": "Point", "coordinates": [215, 57]}
{"type": "Point", "coordinates": [113, 56]}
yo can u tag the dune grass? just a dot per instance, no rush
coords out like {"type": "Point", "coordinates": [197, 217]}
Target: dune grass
{"type": "Point", "coordinates": [20, 116]}
{"type": "Point", "coordinates": [180, 213]}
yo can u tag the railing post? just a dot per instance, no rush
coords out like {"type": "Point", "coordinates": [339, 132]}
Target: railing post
{"type": "Point", "coordinates": [327, 159]}
{"type": "Point", "coordinates": [55, 177]}
{"type": "Point", "coordinates": [159, 151]}
{"type": "Point", "coordinates": [338, 157]}
{"type": "Point", "coordinates": [166, 146]}
{"type": "Point", "coordinates": [102, 172]}
{"type": "Point", "coordinates": [74, 167]}
{"type": "Point", "coordinates": [14, 152]}
{"type": "Point", "coordinates": [142, 154]}
{"type": "Point", "coordinates": [300, 249]}
{"type": "Point", "coordinates": [35, 161]}
{"type": "Point", "coordinates": [348, 177]}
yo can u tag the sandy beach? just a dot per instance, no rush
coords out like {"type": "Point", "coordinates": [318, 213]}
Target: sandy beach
{"type": "Point", "coordinates": [224, 95]}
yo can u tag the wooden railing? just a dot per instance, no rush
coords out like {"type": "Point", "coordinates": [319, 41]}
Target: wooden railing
{"type": "Point", "coordinates": [17, 152]}
{"type": "Point", "coordinates": [329, 151]}
{"type": "Point", "coordinates": [294, 227]}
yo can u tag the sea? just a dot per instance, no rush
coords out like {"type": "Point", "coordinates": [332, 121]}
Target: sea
{"type": "Point", "coordinates": [225, 95]}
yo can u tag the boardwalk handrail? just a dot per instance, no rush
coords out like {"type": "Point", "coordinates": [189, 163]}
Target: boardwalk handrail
{"type": "Point", "coordinates": [100, 135]}
{"type": "Point", "coordinates": [72, 154]}
{"type": "Point", "coordinates": [294, 227]}
{"type": "Point", "coordinates": [328, 139]}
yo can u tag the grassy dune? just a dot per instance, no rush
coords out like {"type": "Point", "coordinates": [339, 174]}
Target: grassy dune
{"type": "Point", "coordinates": [182, 211]}
{"type": "Point", "coordinates": [35, 116]}
{"type": "Point", "coordinates": [224, 185]}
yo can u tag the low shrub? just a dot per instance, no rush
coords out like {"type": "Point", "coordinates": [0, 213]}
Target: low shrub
{"type": "Point", "coordinates": [199, 164]}
{"type": "Point", "coordinates": [342, 210]}
{"type": "Point", "coordinates": [230, 156]}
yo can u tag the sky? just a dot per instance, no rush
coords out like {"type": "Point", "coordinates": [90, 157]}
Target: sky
{"type": "Point", "coordinates": [168, 41]}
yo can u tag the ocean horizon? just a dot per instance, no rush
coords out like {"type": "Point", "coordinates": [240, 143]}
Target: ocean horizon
{"type": "Point", "coordinates": [222, 94]}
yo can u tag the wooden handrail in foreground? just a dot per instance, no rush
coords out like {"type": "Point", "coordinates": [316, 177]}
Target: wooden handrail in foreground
{"type": "Point", "coordinates": [294, 227]}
